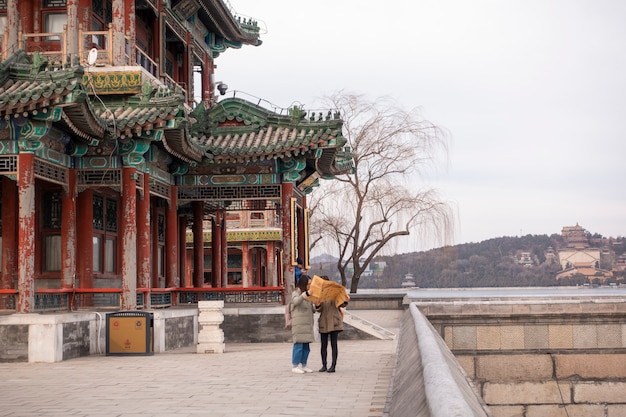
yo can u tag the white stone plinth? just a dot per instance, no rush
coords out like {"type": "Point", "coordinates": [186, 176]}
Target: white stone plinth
{"type": "Point", "coordinates": [210, 335]}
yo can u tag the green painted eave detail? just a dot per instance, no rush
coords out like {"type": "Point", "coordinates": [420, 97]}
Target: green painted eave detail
{"type": "Point", "coordinates": [251, 117]}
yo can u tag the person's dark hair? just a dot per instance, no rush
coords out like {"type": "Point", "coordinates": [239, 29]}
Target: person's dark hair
{"type": "Point", "coordinates": [299, 261]}
{"type": "Point", "coordinates": [325, 278]}
{"type": "Point", "coordinates": [303, 282]}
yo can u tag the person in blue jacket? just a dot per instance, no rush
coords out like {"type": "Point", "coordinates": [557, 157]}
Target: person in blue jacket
{"type": "Point", "coordinates": [298, 270]}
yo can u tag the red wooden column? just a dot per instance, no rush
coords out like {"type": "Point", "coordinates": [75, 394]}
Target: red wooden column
{"type": "Point", "coordinates": [72, 28]}
{"type": "Point", "coordinates": [198, 245]}
{"type": "Point", "coordinates": [224, 251]}
{"type": "Point", "coordinates": [84, 251]}
{"type": "Point", "coordinates": [144, 258]}
{"type": "Point", "coordinates": [301, 248]}
{"type": "Point", "coordinates": [26, 233]}
{"type": "Point", "coordinates": [9, 232]}
{"type": "Point", "coordinates": [207, 87]}
{"type": "Point", "coordinates": [12, 21]}
{"type": "Point", "coordinates": [129, 21]}
{"type": "Point", "coordinates": [216, 250]}
{"type": "Point", "coordinates": [287, 195]}
{"type": "Point", "coordinates": [68, 232]}
{"type": "Point", "coordinates": [271, 275]}
{"type": "Point", "coordinates": [84, 16]}
{"type": "Point", "coordinates": [154, 250]}
{"type": "Point", "coordinates": [118, 41]}
{"type": "Point", "coordinates": [172, 274]}
{"type": "Point", "coordinates": [182, 250]}
{"type": "Point", "coordinates": [26, 15]}
{"type": "Point", "coordinates": [129, 238]}
{"type": "Point", "coordinates": [247, 280]}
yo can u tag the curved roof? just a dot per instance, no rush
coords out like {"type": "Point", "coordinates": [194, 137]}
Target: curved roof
{"type": "Point", "coordinates": [232, 131]}
{"type": "Point", "coordinates": [238, 131]}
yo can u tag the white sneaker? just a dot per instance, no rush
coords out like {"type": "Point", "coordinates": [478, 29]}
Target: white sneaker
{"type": "Point", "coordinates": [307, 370]}
{"type": "Point", "coordinates": [297, 370]}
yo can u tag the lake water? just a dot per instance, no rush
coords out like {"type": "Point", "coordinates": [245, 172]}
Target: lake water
{"type": "Point", "coordinates": [525, 292]}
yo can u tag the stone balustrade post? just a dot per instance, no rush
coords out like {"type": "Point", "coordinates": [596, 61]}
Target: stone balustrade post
{"type": "Point", "coordinates": [210, 335]}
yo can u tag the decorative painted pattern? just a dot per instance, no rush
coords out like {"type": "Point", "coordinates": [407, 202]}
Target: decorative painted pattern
{"type": "Point", "coordinates": [9, 148]}
{"type": "Point", "coordinates": [242, 236]}
{"type": "Point", "coordinates": [126, 82]}
{"type": "Point", "coordinates": [218, 180]}
{"type": "Point", "coordinates": [53, 156]}
{"type": "Point", "coordinates": [228, 193]}
{"type": "Point", "coordinates": [159, 174]}
{"type": "Point", "coordinates": [99, 162]}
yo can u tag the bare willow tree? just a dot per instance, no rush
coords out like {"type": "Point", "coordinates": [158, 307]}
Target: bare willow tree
{"type": "Point", "coordinates": [360, 214]}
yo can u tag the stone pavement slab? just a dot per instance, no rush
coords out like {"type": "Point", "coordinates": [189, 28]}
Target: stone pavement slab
{"type": "Point", "coordinates": [247, 380]}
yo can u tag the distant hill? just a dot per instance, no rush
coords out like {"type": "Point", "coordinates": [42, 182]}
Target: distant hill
{"type": "Point", "coordinates": [499, 262]}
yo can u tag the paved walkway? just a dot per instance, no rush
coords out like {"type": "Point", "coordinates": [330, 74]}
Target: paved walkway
{"type": "Point", "coordinates": [247, 380]}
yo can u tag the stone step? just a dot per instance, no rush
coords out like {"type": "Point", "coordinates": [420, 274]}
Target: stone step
{"type": "Point", "coordinates": [368, 326]}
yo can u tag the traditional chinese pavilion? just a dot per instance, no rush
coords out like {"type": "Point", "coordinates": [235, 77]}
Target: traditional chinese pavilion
{"type": "Point", "coordinates": [117, 188]}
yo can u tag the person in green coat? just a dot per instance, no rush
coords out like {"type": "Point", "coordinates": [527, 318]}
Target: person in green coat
{"type": "Point", "coordinates": [302, 311]}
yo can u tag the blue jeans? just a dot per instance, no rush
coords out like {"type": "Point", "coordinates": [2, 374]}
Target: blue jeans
{"type": "Point", "coordinates": [300, 354]}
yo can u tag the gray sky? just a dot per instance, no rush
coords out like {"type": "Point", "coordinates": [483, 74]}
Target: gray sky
{"type": "Point", "coordinates": [532, 92]}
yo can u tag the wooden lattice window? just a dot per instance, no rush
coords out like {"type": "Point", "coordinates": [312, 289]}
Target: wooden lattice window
{"type": "Point", "coordinates": [52, 210]}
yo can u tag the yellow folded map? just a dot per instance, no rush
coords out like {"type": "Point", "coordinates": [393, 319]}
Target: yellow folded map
{"type": "Point", "coordinates": [322, 290]}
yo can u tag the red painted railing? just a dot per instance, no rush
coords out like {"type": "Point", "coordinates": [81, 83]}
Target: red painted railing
{"type": "Point", "coordinates": [8, 299]}
{"type": "Point", "coordinates": [66, 299]}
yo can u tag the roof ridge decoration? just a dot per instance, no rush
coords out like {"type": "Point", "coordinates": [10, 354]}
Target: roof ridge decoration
{"type": "Point", "coordinates": [19, 57]}
{"type": "Point", "coordinates": [238, 131]}
{"type": "Point", "coordinates": [229, 26]}
{"type": "Point", "coordinates": [243, 113]}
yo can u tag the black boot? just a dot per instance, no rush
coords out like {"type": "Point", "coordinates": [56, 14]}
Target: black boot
{"type": "Point", "coordinates": [323, 369]}
{"type": "Point", "coordinates": [331, 369]}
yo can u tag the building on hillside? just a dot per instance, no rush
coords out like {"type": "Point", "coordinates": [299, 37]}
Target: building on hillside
{"type": "Point", "coordinates": [575, 236]}
{"type": "Point", "coordinates": [577, 258]}
{"type": "Point", "coordinates": [107, 161]}
{"type": "Point", "coordinates": [374, 268]}
{"type": "Point", "coordinates": [524, 258]}
{"type": "Point", "coordinates": [408, 281]}
{"type": "Point", "coordinates": [551, 255]}
{"type": "Point", "coordinates": [620, 264]}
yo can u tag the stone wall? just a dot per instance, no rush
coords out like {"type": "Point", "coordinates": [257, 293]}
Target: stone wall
{"type": "Point", "coordinates": [255, 324]}
{"type": "Point", "coordinates": [376, 302]}
{"type": "Point", "coordinates": [267, 325]}
{"type": "Point", "coordinates": [76, 340]}
{"type": "Point", "coordinates": [47, 337]}
{"type": "Point", "coordinates": [540, 358]}
{"type": "Point", "coordinates": [175, 328]}
{"type": "Point", "coordinates": [14, 343]}
{"type": "Point", "coordinates": [550, 384]}
{"type": "Point", "coordinates": [63, 336]}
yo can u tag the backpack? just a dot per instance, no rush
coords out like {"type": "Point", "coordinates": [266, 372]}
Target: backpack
{"type": "Point", "coordinates": [288, 316]}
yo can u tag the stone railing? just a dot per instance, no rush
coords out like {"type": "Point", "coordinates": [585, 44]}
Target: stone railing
{"type": "Point", "coordinates": [428, 381]}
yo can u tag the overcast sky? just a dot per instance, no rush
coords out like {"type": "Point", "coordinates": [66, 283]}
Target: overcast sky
{"type": "Point", "coordinates": [532, 92]}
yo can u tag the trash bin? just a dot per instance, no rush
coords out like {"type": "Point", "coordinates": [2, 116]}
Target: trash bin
{"type": "Point", "coordinates": [129, 333]}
